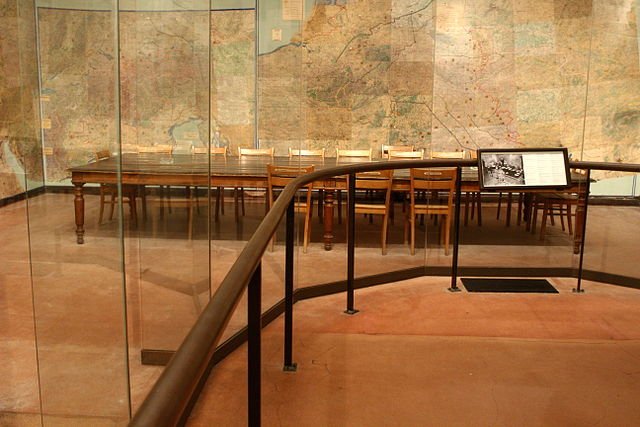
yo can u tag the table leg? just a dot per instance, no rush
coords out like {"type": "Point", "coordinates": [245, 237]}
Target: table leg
{"type": "Point", "coordinates": [78, 203]}
{"type": "Point", "coordinates": [328, 219]}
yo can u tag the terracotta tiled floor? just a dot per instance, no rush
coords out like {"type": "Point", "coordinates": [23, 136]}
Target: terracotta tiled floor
{"type": "Point", "coordinates": [456, 358]}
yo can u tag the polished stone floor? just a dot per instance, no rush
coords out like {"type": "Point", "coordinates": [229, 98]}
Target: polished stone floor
{"type": "Point", "coordinates": [88, 345]}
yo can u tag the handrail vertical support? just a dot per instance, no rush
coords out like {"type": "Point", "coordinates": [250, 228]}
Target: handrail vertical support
{"type": "Point", "coordinates": [254, 320]}
{"type": "Point", "coordinates": [289, 365]}
{"type": "Point", "coordinates": [583, 230]}
{"type": "Point", "coordinates": [351, 243]}
{"type": "Point", "coordinates": [456, 229]}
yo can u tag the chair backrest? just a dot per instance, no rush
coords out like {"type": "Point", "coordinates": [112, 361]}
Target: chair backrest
{"type": "Point", "coordinates": [280, 176]}
{"type": "Point", "coordinates": [102, 155]}
{"type": "Point", "coordinates": [256, 152]}
{"type": "Point", "coordinates": [163, 149]}
{"type": "Point", "coordinates": [354, 154]}
{"type": "Point", "coordinates": [214, 151]}
{"type": "Point", "coordinates": [376, 180]}
{"type": "Point", "coordinates": [433, 179]}
{"type": "Point", "coordinates": [447, 155]}
{"type": "Point", "coordinates": [294, 152]}
{"type": "Point", "coordinates": [403, 155]}
{"type": "Point", "coordinates": [128, 148]}
{"type": "Point", "coordinates": [385, 149]}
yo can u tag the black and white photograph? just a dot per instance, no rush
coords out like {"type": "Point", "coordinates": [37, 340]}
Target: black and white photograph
{"type": "Point", "coordinates": [502, 169]}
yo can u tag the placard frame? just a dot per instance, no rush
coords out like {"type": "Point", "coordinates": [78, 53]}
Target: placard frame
{"type": "Point", "coordinates": [514, 153]}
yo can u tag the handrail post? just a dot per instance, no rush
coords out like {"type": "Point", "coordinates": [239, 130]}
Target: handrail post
{"type": "Point", "coordinates": [583, 230]}
{"type": "Point", "coordinates": [351, 243]}
{"type": "Point", "coordinates": [456, 229]}
{"type": "Point", "coordinates": [289, 365]}
{"type": "Point", "coordinates": [254, 318]}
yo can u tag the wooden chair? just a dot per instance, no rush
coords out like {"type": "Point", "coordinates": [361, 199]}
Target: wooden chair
{"type": "Point", "coordinates": [431, 180]}
{"type": "Point", "coordinates": [377, 181]}
{"type": "Point", "coordinates": [165, 190]}
{"type": "Point", "coordinates": [552, 204]}
{"type": "Point", "coordinates": [256, 152]}
{"type": "Point", "coordinates": [471, 198]}
{"type": "Point", "coordinates": [350, 156]}
{"type": "Point", "coordinates": [162, 149]}
{"type": "Point", "coordinates": [220, 152]}
{"type": "Point", "coordinates": [405, 155]}
{"type": "Point", "coordinates": [110, 191]}
{"type": "Point", "coordinates": [385, 149]}
{"type": "Point", "coordinates": [277, 178]}
{"type": "Point", "coordinates": [295, 152]}
{"type": "Point", "coordinates": [353, 155]}
{"type": "Point", "coordinates": [250, 153]}
{"type": "Point", "coordinates": [447, 155]}
{"type": "Point", "coordinates": [311, 154]}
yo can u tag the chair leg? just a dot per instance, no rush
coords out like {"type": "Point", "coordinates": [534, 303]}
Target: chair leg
{"type": "Point", "coordinates": [132, 207]}
{"type": "Point", "coordinates": [447, 232]}
{"type": "Point", "coordinates": [466, 208]}
{"type": "Point", "coordinates": [101, 205]}
{"type": "Point", "coordinates": [385, 223]}
{"type": "Point", "coordinates": [305, 235]}
{"type": "Point", "coordinates": [473, 205]}
{"type": "Point", "coordinates": [190, 212]}
{"type": "Point", "coordinates": [569, 224]}
{"type": "Point", "coordinates": [509, 205]}
{"type": "Point", "coordinates": [113, 205]}
{"type": "Point", "coordinates": [533, 218]}
{"type": "Point", "coordinates": [197, 199]}
{"type": "Point", "coordinates": [543, 225]}
{"type": "Point", "coordinates": [479, 207]}
{"type": "Point", "coordinates": [236, 195]}
{"type": "Point", "coordinates": [216, 212]}
{"type": "Point", "coordinates": [412, 246]}
{"type": "Point", "coordinates": [143, 200]}
{"type": "Point", "coordinates": [169, 197]}
{"type": "Point", "coordinates": [221, 199]}
{"type": "Point", "coordinates": [499, 205]}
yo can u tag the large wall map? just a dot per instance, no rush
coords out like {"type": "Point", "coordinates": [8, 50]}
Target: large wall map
{"type": "Point", "coordinates": [441, 75]}
{"type": "Point", "coordinates": [20, 147]}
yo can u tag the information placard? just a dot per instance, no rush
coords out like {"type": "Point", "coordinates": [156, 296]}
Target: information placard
{"type": "Point", "coordinates": [505, 169]}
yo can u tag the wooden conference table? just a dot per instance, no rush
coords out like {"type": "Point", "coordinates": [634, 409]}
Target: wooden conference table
{"type": "Point", "coordinates": [194, 170]}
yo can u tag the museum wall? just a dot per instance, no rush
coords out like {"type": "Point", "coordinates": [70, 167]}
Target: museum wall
{"type": "Point", "coordinates": [439, 75]}
{"type": "Point", "coordinates": [20, 147]}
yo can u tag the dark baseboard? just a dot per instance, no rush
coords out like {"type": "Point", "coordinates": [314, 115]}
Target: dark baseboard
{"type": "Point", "coordinates": [22, 196]}
{"type": "Point", "coordinates": [614, 201]}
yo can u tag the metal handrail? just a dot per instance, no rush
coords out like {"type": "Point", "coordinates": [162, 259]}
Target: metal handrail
{"type": "Point", "coordinates": [168, 402]}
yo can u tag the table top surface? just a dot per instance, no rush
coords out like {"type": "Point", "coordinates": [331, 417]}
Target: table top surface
{"type": "Point", "coordinates": [198, 164]}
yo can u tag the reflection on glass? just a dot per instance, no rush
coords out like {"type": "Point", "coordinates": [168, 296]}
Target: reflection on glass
{"type": "Point", "coordinates": [78, 290]}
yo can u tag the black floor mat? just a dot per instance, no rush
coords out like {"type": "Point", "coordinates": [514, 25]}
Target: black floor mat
{"type": "Point", "coordinates": [509, 285]}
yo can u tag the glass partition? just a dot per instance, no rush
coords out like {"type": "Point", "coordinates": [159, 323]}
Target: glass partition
{"type": "Point", "coordinates": [165, 102]}
{"type": "Point", "coordinates": [21, 176]}
{"type": "Point", "coordinates": [79, 291]}
{"type": "Point", "coordinates": [124, 127]}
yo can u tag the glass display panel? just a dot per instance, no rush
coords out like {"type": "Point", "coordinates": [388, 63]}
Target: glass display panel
{"type": "Point", "coordinates": [513, 169]}
{"type": "Point", "coordinates": [167, 132]}
{"type": "Point", "coordinates": [79, 291]}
